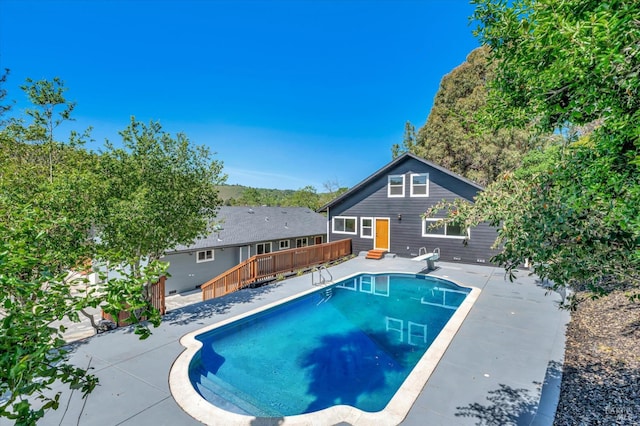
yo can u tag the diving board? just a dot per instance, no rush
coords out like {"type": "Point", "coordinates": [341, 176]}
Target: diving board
{"type": "Point", "coordinates": [429, 257]}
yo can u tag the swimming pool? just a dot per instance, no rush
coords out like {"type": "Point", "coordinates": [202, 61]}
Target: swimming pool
{"type": "Point", "coordinates": [349, 348]}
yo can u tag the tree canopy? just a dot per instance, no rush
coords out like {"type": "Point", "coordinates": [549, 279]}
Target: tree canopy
{"type": "Point", "coordinates": [570, 66]}
{"type": "Point", "coordinates": [454, 135]}
{"type": "Point", "coordinates": [61, 206]}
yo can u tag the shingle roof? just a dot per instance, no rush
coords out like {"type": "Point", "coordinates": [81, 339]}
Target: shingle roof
{"type": "Point", "coordinates": [248, 225]}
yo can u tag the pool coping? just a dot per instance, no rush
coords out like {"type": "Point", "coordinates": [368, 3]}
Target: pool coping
{"type": "Point", "coordinates": [395, 412]}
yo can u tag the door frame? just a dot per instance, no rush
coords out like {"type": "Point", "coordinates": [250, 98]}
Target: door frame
{"type": "Point", "coordinates": [375, 232]}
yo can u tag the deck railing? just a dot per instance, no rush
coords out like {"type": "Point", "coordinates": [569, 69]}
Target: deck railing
{"type": "Point", "coordinates": [157, 300]}
{"type": "Point", "coordinates": [157, 295]}
{"type": "Point", "coordinates": [268, 266]}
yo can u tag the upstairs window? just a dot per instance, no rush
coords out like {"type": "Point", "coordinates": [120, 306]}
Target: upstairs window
{"type": "Point", "coordinates": [395, 187]}
{"type": "Point", "coordinates": [420, 185]}
{"type": "Point", "coordinates": [444, 230]}
{"type": "Point", "coordinates": [344, 225]}
{"type": "Point", "coordinates": [204, 256]}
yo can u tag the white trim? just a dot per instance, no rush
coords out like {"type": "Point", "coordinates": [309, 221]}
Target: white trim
{"type": "Point", "coordinates": [410, 334]}
{"type": "Point", "coordinates": [306, 242]}
{"type": "Point", "coordinates": [350, 285]}
{"type": "Point", "coordinates": [362, 219]}
{"type": "Point", "coordinates": [394, 413]}
{"type": "Point", "coordinates": [412, 194]}
{"type": "Point", "coordinates": [425, 231]}
{"type": "Point", "coordinates": [206, 258]}
{"type": "Point", "coordinates": [264, 245]}
{"type": "Point", "coordinates": [284, 241]}
{"type": "Point", "coordinates": [396, 325]}
{"type": "Point", "coordinates": [355, 225]}
{"type": "Point", "coordinates": [366, 281]}
{"type": "Point", "coordinates": [329, 222]}
{"type": "Point", "coordinates": [381, 287]}
{"type": "Point", "coordinates": [389, 194]}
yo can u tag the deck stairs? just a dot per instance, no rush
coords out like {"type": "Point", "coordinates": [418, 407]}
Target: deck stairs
{"type": "Point", "coordinates": [375, 254]}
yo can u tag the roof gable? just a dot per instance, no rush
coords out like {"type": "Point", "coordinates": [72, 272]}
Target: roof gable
{"type": "Point", "coordinates": [397, 162]}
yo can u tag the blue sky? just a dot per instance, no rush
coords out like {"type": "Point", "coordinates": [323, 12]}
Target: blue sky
{"type": "Point", "coordinates": [287, 93]}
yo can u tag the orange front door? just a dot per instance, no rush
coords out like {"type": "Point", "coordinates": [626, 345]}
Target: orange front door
{"type": "Point", "coordinates": [382, 234]}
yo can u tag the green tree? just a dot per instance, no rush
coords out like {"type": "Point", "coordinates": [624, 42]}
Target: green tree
{"type": "Point", "coordinates": [250, 197]}
{"type": "Point", "coordinates": [574, 212]}
{"type": "Point", "coordinates": [44, 229]}
{"type": "Point", "coordinates": [3, 94]}
{"type": "Point", "coordinates": [408, 141]}
{"type": "Point", "coordinates": [35, 290]}
{"type": "Point", "coordinates": [455, 137]}
{"type": "Point", "coordinates": [159, 191]}
{"type": "Point", "coordinates": [125, 206]}
{"type": "Point", "coordinates": [51, 110]}
{"type": "Point", "coordinates": [304, 197]}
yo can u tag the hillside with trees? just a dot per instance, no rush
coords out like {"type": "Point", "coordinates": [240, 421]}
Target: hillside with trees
{"type": "Point", "coordinates": [238, 195]}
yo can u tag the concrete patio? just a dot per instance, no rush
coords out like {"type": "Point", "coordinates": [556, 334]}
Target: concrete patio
{"type": "Point", "coordinates": [502, 367]}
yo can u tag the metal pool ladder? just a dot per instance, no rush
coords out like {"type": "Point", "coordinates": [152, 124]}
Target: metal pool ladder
{"type": "Point", "coordinates": [321, 278]}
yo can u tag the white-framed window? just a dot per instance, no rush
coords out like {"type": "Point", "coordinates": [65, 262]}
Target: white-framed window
{"type": "Point", "coordinates": [344, 225]}
{"type": "Point", "coordinates": [302, 242]}
{"type": "Point", "coordinates": [416, 333]}
{"type": "Point", "coordinates": [396, 325]}
{"type": "Point", "coordinates": [444, 230]}
{"type": "Point", "coordinates": [381, 286]}
{"type": "Point", "coordinates": [395, 186]}
{"type": "Point", "coordinates": [420, 184]}
{"type": "Point", "coordinates": [204, 256]}
{"type": "Point", "coordinates": [366, 227]}
{"type": "Point", "coordinates": [366, 284]}
{"type": "Point", "coordinates": [283, 244]}
{"type": "Point", "coordinates": [349, 285]}
{"type": "Point", "coordinates": [262, 248]}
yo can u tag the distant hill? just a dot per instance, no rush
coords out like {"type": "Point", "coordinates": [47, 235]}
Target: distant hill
{"type": "Point", "coordinates": [228, 192]}
{"type": "Point", "coordinates": [238, 195]}
{"type": "Point", "coordinates": [234, 194]}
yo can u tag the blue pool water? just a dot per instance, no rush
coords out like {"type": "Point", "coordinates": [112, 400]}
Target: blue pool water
{"type": "Point", "coordinates": [353, 343]}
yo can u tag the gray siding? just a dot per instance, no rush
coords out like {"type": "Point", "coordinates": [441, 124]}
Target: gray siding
{"type": "Point", "coordinates": [406, 232]}
{"type": "Point", "coordinates": [186, 274]}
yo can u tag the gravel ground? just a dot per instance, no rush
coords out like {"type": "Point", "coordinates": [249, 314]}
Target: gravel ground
{"type": "Point", "coordinates": [601, 377]}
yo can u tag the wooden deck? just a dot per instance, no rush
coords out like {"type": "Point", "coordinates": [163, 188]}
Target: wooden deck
{"type": "Point", "coordinates": [269, 266]}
